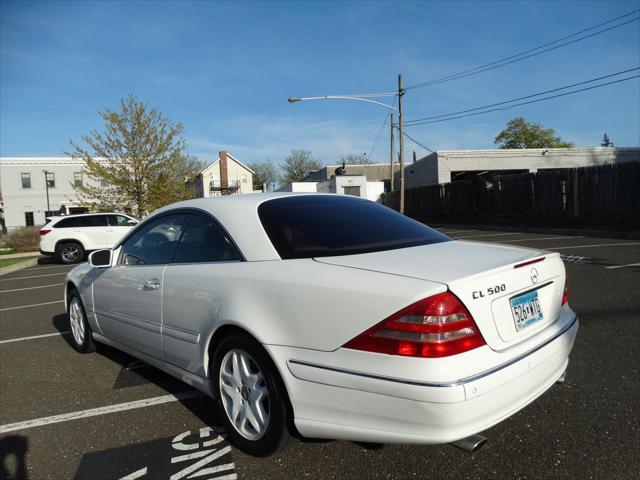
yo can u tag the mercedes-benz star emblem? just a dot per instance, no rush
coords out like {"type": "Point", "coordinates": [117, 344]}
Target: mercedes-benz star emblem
{"type": "Point", "coordinates": [534, 275]}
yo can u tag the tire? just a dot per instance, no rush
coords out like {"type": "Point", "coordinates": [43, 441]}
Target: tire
{"type": "Point", "coordinates": [81, 337]}
{"type": "Point", "coordinates": [69, 252]}
{"type": "Point", "coordinates": [260, 395]}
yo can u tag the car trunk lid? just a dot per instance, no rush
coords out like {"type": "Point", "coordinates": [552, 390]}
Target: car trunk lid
{"type": "Point", "coordinates": [491, 280]}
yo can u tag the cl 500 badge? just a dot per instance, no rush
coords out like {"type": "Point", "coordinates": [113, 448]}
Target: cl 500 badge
{"type": "Point", "coordinates": [476, 294]}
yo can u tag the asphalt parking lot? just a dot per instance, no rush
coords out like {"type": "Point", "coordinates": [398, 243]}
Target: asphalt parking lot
{"type": "Point", "coordinates": [107, 416]}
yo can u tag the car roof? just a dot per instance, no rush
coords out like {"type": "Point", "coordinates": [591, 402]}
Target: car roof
{"type": "Point", "coordinates": [89, 214]}
{"type": "Point", "coordinates": [238, 214]}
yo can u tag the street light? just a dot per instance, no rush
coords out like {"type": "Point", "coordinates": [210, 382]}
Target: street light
{"type": "Point", "coordinates": [46, 183]}
{"type": "Point", "coordinates": [366, 97]}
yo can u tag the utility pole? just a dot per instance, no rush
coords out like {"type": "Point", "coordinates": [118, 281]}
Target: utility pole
{"type": "Point", "coordinates": [46, 183]}
{"type": "Point", "coordinates": [391, 175]}
{"type": "Point", "coordinates": [401, 139]}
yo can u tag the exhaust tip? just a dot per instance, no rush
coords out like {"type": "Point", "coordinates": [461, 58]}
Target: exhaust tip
{"type": "Point", "coordinates": [471, 444]}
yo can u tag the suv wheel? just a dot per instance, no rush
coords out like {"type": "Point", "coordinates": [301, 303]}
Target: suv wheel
{"type": "Point", "coordinates": [69, 252]}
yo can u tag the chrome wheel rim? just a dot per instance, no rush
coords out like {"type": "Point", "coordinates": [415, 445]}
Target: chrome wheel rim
{"type": "Point", "coordinates": [244, 394]}
{"type": "Point", "coordinates": [70, 254]}
{"type": "Point", "coordinates": [76, 319]}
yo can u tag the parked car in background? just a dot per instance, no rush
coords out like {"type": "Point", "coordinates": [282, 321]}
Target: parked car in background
{"type": "Point", "coordinates": [332, 313]}
{"type": "Point", "coordinates": [71, 237]}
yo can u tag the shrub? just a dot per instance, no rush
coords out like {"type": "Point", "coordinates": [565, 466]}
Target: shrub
{"type": "Point", "coordinates": [25, 239]}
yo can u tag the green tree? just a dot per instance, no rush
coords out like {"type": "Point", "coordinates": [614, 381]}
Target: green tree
{"type": "Point", "coordinates": [605, 141]}
{"type": "Point", "coordinates": [297, 165]}
{"type": "Point", "coordinates": [137, 162]}
{"type": "Point", "coordinates": [264, 173]}
{"type": "Point", "coordinates": [522, 134]}
{"type": "Point", "coordinates": [355, 159]}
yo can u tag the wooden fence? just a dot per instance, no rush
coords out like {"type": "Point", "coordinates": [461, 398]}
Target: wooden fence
{"type": "Point", "coordinates": [598, 191]}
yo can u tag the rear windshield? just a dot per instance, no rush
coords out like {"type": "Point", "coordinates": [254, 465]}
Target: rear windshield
{"type": "Point", "coordinates": [322, 226]}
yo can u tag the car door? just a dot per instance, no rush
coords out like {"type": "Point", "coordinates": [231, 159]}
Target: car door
{"type": "Point", "coordinates": [127, 297]}
{"type": "Point", "coordinates": [119, 226]}
{"type": "Point", "coordinates": [195, 292]}
{"type": "Point", "coordinates": [91, 231]}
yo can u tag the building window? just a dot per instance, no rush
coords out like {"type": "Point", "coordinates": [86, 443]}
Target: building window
{"type": "Point", "coordinates": [77, 179]}
{"type": "Point", "coordinates": [28, 219]}
{"type": "Point", "coordinates": [51, 179]}
{"type": "Point", "coordinates": [26, 180]}
{"type": "Point", "coordinates": [244, 178]}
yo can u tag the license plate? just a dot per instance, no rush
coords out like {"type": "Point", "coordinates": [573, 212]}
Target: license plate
{"type": "Point", "coordinates": [526, 310]}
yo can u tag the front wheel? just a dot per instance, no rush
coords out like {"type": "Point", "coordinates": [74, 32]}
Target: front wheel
{"type": "Point", "coordinates": [80, 330]}
{"type": "Point", "coordinates": [250, 396]}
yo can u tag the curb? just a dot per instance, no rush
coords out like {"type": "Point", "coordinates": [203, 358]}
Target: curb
{"type": "Point", "coordinates": [631, 235]}
{"type": "Point", "coordinates": [19, 266]}
{"type": "Point", "coordinates": [20, 255]}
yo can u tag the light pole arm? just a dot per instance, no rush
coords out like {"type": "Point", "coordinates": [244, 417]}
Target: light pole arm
{"type": "Point", "coordinates": [341, 97]}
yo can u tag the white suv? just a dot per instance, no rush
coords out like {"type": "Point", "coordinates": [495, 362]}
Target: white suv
{"type": "Point", "coordinates": [70, 238]}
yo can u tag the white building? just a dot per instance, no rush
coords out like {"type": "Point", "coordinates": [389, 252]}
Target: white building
{"type": "Point", "coordinates": [365, 181]}
{"type": "Point", "coordinates": [446, 166]}
{"type": "Point", "coordinates": [356, 185]}
{"type": "Point", "coordinates": [225, 176]}
{"type": "Point", "coordinates": [24, 191]}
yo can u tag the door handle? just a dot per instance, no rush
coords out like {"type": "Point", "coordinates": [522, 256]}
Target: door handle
{"type": "Point", "coordinates": [152, 284]}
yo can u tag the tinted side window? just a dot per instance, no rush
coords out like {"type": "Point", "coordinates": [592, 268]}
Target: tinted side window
{"type": "Point", "coordinates": [320, 226]}
{"type": "Point", "coordinates": [67, 223]}
{"type": "Point", "coordinates": [155, 242]}
{"type": "Point", "coordinates": [92, 221]}
{"type": "Point", "coordinates": [205, 241]}
{"type": "Point", "coordinates": [118, 220]}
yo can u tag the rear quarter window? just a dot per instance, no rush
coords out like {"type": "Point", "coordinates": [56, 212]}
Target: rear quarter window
{"type": "Point", "coordinates": [309, 226]}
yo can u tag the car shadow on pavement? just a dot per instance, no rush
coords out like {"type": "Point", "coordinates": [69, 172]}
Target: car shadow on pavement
{"type": "Point", "coordinates": [13, 457]}
{"type": "Point", "coordinates": [134, 372]}
{"type": "Point", "coordinates": [46, 260]}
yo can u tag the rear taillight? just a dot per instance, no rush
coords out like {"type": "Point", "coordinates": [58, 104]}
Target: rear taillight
{"type": "Point", "coordinates": [437, 326]}
{"type": "Point", "coordinates": [565, 294]}
{"type": "Point", "coordinates": [44, 231]}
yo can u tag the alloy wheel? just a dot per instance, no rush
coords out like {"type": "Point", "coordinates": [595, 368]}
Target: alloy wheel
{"type": "Point", "coordinates": [244, 394]}
{"type": "Point", "coordinates": [76, 319]}
{"type": "Point", "coordinates": [70, 254]}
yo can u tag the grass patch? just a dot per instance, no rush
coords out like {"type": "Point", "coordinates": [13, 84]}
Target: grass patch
{"type": "Point", "coordinates": [5, 262]}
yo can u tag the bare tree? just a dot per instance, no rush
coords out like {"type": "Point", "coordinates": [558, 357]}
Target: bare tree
{"type": "Point", "coordinates": [297, 165]}
{"type": "Point", "coordinates": [355, 159]}
{"type": "Point", "coordinates": [264, 173]}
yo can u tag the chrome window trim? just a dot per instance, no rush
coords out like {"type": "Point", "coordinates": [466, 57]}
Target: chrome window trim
{"type": "Point", "coordinates": [454, 383]}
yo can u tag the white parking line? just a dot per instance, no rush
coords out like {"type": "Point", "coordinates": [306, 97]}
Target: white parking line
{"type": "Point", "coordinates": [595, 245]}
{"type": "Point", "coordinates": [489, 235]}
{"type": "Point", "coordinates": [543, 238]}
{"type": "Point", "coordinates": [612, 267]}
{"type": "Point", "coordinates": [29, 306]}
{"type": "Point", "coordinates": [118, 407]}
{"type": "Point", "coordinates": [33, 276]}
{"type": "Point", "coordinates": [46, 267]}
{"type": "Point", "coordinates": [31, 288]}
{"type": "Point", "coordinates": [34, 337]}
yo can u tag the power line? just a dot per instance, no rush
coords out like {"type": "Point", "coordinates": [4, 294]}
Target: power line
{"type": "Point", "coordinates": [513, 58]}
{"type": "Point", "coordinates": [417, 142]}
{"type": "Point", "coordinates": [386, 119]}
{"type": "Point", "coordinates": [418, 120]}
{"type": "Point", "coordinates": [525, 103]}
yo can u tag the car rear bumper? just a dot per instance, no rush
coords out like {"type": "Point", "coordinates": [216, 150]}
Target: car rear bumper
{"type": "Point", "coordinates": [338, 403]}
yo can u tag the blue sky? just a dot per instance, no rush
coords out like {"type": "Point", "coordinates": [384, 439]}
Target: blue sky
{"type": "Point", "coordinates": [225, 70]}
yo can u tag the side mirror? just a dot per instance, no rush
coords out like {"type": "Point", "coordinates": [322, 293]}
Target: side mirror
{"type": "Point", "coordinates": [100, 258]}
{"type": "Point", "coordinates": [131, 222]}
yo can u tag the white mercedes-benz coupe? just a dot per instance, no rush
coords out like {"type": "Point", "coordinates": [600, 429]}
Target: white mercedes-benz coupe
{"type": "Point", "coordinates": [331, 315]}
